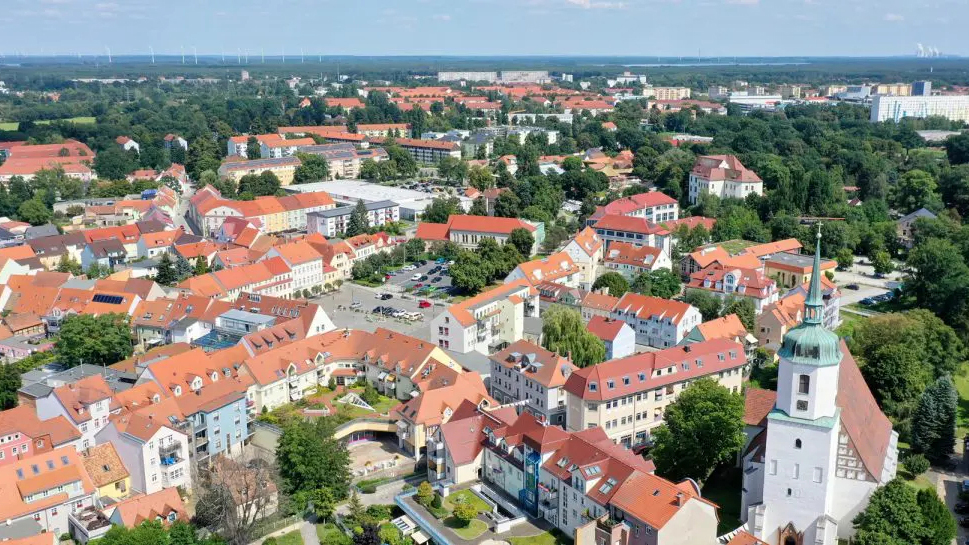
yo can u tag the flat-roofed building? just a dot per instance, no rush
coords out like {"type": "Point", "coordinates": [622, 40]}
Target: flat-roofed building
{"type": "Point", "coordinates": [334, 222]}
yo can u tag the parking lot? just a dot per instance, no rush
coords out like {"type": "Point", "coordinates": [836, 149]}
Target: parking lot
{"type": "Point", "coordinates": [352, 307]}
{"type": "Point", "coordinates": [422, 276]}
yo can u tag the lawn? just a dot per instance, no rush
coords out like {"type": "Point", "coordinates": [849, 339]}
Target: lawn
{"type": "Point", "coordinates": [474, 528]}
{"type": "Point", "coordinates": [466, 496]}
{"type": "Point", "coordinates": [961, 380]}
{"type": "Point", "coordinates": [383, 406]}
{"type": "Point", "coordinates": [329, 534]}
{"type": "Point", "coordinates": [14, 125]}
{"type": "Point", "coordinates": [548, 538]}
{"type": "Point", "coordinates": [723, 489]}
{"type": "Point", "coordinates": [849, 322]}
{"type": "Point", "coordinates": [292, 538]}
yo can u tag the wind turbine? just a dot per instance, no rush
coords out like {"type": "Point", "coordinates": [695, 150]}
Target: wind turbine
{"type": "Point", "coordinates": [284, 54]}
{"type": "Point", "coordinates": [263, 52]}
{"type": "Point", "coordinates": [195, 51]}
{"type": "Point", "coordinates": [239, 53]}
{"type": "Point", "coordinates": [152, 50]}
{"type": "Point", "coordinates": [109, 53]}
{"type": "Point", "coordinates": [301, 55]}
{"type": "Point", "coordinates": [183, 54]}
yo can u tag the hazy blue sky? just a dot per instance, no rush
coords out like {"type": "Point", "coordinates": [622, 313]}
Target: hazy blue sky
{"type": "Point", "coordinates": [487, 27]}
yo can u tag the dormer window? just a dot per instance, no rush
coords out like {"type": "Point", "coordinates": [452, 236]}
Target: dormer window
{"type": "Point", "coordinates": [593, 387]}
{"type": "Point", "coordinates": [177, 391]}
{"type": "Point", "coordinates": [214, 376]}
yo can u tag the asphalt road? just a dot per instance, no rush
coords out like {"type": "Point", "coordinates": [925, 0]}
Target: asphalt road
{"type": "Point", "coordinates": [337, 306]}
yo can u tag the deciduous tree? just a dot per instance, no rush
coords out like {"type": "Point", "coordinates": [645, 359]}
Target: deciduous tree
{"type": "Point", "coordinates": [564, 332]}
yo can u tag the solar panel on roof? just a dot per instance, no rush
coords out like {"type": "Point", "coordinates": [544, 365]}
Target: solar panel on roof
{"type": "Point", "coordinates": [109, 299]}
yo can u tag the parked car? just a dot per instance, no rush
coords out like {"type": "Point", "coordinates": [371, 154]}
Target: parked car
{"type": "Point", "coordinates": [356, 305]}
{"type": "Point", "coordinates": [398, 313]}
{"type": "Point", "coordinates": [423, 278]}
{"type": "Point", "coordinates": [423, 262]}
{"type": "Point", "coordinates": [439, 260]}
{"type": "Point", "coordinates": [388, 311]}
{"type": "Point", "coordinates": [424, 303]}
{"type": "Point", "coordinates": [416, 276]}
{"type": "Point", "coordinates": [378, 310]}
{"type": "Point", "coordinates": [436, 279]}
{"type": "Point", "coordinates": [385, 296]}
{"type": "Point", "coordinates": [852, 287]}
{"type": "Point", "coordinates": [409, 268]}
{"type": "Point", "coordinates": [964, 522]}
{"type": "Point", "coordinates": [418, 285]}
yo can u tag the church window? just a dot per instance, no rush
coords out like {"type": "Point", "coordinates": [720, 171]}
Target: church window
{"type": "Point", "coordinates": [817, 474]}
{"type": "Point", "coordinates": [797, 443]}
{"type": "Point", "coordinates": [804, 384]}
{"type": "Point", "coordinates": [773, 467]}
{"type": "Point", "coordinates": [788, 492]}
{"type": "Point", "coordinates": [802, 405]}
{"type": "Point", "coordinates": [797, 471]}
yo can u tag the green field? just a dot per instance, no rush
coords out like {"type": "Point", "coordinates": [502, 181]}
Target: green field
{"type": "Point", "coordinates": [548, 538]}
{"type": "Point", "coordinates": [292, 538]}
{"type": "Point", "coordinates": [13, 125]}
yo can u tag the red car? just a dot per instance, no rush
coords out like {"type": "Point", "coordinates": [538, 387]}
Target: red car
{"type": "Point", "coordinates": [424, 303]}
{"type": "Point", "coordinates": [417, 285]}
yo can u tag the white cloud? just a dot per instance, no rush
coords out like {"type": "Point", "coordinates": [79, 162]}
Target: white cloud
{"type": "Point", "coordinates": [590, 4]}
{"type": "Point", "coordinates": [442, 17]}
{"type": "Point", "coordinates": [893, 17]}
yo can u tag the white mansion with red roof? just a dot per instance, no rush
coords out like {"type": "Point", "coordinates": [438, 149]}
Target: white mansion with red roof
{"type": "Point", "coordinates": [820, 445]}
{"type": "Point", "coordinates": [724, 176]}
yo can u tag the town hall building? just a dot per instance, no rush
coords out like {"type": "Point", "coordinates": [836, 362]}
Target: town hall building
{"type": "Point", "coordinates": [820, 445]}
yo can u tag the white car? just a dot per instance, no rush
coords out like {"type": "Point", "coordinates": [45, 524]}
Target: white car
{"type": "Point", "coordinates": [416, 277]}
{"type": "Point", "coordinates": [356, 304]}
{"type": "Point", "coordinates": [409, 268]}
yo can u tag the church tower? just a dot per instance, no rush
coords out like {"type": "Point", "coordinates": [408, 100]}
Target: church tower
{"type": "Point", "coordinates": [802, 444]}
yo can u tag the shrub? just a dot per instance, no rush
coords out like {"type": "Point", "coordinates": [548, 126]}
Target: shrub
{"type": "Point", "coordinates": [269, 541]}
{"type": "Point", "coordinates": [425, 494]}
{"type": "Point", "coordinates": [437, 502]}
{"type": "Point", "coordinates": [368, 488]}
{"type": "Point", "coordinates": [407, 487]}
{"type": "Point", "coordinates": [464, 513]}
{"type": "Point", "coordinates": [916, 464]}
{"type": "Point", "coordinates": [380, 512]}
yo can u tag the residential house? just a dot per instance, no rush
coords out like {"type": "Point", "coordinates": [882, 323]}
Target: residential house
{"type": "Point", "coordinates": [558, 268]}
{"type": "Point", "coordinates": [791, 270]}
{"type": "Point", "coordinates": [22, 434]}
{"type": "Point", "coordinates": [586, 250]}
{"type": "Point", "coordinates": [725, 283]}
{"type": "Point", "coordinates": [597, 304]}
{"type": "Point", "coordinates": [631, 261]}
{"type": "Point", "coordinates": [164, 506]}
{"type": "Point", "coordinates": [533, 377]}
{"type": "Point", "coordinates": [283, 167]}
{"type": "Point", "coordinates": [175, 140]}
{"type": "Point", "coordinates": [660, 323]}
{"type": "Point", "coordinates": [905, 223]}
{"type": "Point", "coordinates": [627, 397]}
{"type": "Point", "coordinates": [128, 144]}
{"type": "Point", "coordinates": [725, 327]}
{"type": "Point", "coordinates": [107, 472]}
{"type": "Point", "coordinates": [723, 176]}
{"type": "Point", "coordinates": [777, 319]}
{"type": "Point", "coordinates": [86, 404]}
{"type": "Point", "coordinates": [830, 296]}
{"type": "Point", "coordinates": [619, 338]}
{"type": "Point", "coordinates": [303, 260]}
{"type": "Point", "coordinates": [655, 207]}
{"type": "Point", "coordinates": [40, 492]}
{"type": "Point", "coordinates": [487, 321]}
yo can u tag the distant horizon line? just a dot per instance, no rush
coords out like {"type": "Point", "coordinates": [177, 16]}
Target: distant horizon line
{"type": "Point", "coordinates": [296, 56]}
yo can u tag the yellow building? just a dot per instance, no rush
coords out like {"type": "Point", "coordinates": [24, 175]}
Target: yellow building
{"type": "Point", "coordinates": [283, 167]}
{"type": "Point", "coordinates": [107, 471]}
{"type": "Point", "coordinates": [671, 93]}
{"type": "Point", "coordinates": [894, 89]}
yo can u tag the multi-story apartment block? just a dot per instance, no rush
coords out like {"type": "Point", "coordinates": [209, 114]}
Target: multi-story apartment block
{"type": "Point", "coordinates": [558, 268]}
{"type": "Point", "coordinates": [334, 222]}
{"type": "Point", "coordinates": [671, 93]}
{"type": "Point", "coordinates": [153, 443]}
{"type": "Point", "coordinates": [791, 270]}
{"type": "Point", "coordinates": [86, 404]}
{"type": "Point", "coordinates": [586, 251]}
{"type": "Point", "coordinates": [488, 321]}
{"type": "Point", "coordinates": [894, 108]}
{"type": "Point", "coordinates": [428, 152]}
{"type": "Point", "coordinates": [490, 77]}
{"type": "Point", "coordinates": [303, 260]}
{"type": "Point", "coordinates": [893, 89]}
{"type": "Point", "coordinates": [527, 374]}
{"type": "Point", "coordinates": [654, 206]}
{"type": "Point", "coordinates": [283, 167]}
{"type": "Point", "coordinates": [273, 146]}
{"type": "Point", "coordinates": [579, 482]}
{"type": "Point", "coordinates": [636, 231]}
{"type": "Point", "coordinates": [377, 130]}
{"type": "Point", "coordinates": [443, 390]}
{"type": "Point", "coordinates": [723, 176]}
{"type": "Point", "coordinates": [627, 397]}
{"type": "Point", "coordinates": [42, 491]}
{"type": "Point", "coordinates": [343, 159]}
{"type": "Point", "coordinates": [208, 210]}
{"type": "Point", "coordinates": [660, 323]}
{"type": "Point", "coordinates": [238, 146]}
{"type": "Point", "coordinates": [211, 398]}
{"type": "Point", "coordinates": [726, 282]}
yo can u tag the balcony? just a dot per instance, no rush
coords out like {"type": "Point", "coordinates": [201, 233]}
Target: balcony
{"type": "Point", "coordinates": [201, 440]}
{"type": "Point", "coordinates": [295, 395]}
{"type": "Point", "coordinates": [170, 455]}
{"type": "Point", "coordinates": [293, 380]}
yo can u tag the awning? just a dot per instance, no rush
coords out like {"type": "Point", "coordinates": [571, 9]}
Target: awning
{"type": "Point", "coordinates": [419, 537]}
{"type": "Point", "coordinates": [382, 375]}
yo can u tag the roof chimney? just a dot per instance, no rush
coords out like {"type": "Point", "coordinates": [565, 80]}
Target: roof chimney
{"type": "Point", "coordinates": [686, 347]}
{"type": "Point", "coordinates": [680, 499]}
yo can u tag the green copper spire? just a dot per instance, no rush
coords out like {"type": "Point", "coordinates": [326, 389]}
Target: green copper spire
{"type": "Point", "coordinates": [810, 343]}
{"type": "Point", "coordinates": [814, 304]}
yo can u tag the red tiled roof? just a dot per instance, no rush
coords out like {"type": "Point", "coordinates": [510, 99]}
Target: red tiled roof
{"type": "Point", "coordinates": [628, 224]}
{"type": "Point", "coordinates": [487, 224]}
{"type": "Point", "coordinates": [650, 370]}
{"type": "Point", "coordinates": [757, 403]}
{"type": "Point", "coordinates": [724, 167]}
{"type": "Point", "coordinates": [432, 231]}
{"type": "Point", "coordinates": [605, 328]}
{"type": "Point", "coordinates": [645, 307]}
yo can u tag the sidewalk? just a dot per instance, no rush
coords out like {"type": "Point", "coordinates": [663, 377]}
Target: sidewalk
{"type": "Point", "coordinates": [307, 530]}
